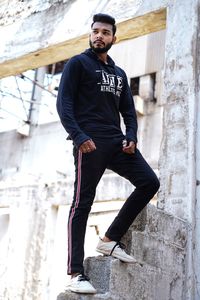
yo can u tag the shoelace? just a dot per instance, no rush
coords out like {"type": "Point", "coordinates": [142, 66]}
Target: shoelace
{"type": "Point", "coordinates": [83, 277]}
{"type": "Point", "coordinates": [118, 244]}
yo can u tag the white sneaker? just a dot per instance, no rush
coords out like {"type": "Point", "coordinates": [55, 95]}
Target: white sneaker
{"type": "Point", "coordinates": [115, 249]}
{"type": "Point", "coordinates": [81, 284]}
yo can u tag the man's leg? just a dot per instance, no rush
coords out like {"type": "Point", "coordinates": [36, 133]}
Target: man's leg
{"type": "Point", "coordinates": [134, 168]}
{"type": "Point", "coordinates": [89, 168]}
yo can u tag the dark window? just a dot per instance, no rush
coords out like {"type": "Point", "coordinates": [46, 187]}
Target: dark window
{"type": "Point", "coordinates": [56, 68]}
{"type": "Point", "coordinates": [135, 82]}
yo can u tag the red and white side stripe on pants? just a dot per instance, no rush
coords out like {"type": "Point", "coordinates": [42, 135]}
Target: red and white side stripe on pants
{"type": "Point", "coordinates": [73, 211]}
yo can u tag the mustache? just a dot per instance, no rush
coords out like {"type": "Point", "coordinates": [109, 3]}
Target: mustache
{"type": "Point", "coordinates": [99, 41]}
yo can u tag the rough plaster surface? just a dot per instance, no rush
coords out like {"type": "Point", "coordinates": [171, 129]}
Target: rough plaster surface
{"type": "Point", "coordinates": [56, 35]}
{"type": "Point", "coordinates": [158, 241]}
{"type": "Point", "coordinates": [177, 159]}
{"type": "Point", "coordinates": [60, 16]}
{"type": "Point", "coordinates": [26, 249]}
{"type": "Point", "coordinates": [177, 165]}
{"type": "Point", "coordinates": [36, 237]}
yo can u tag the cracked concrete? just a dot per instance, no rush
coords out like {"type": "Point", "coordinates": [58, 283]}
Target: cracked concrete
{"type": "Point", "coordinates": [161, 247]}
{"type": "Point", "coordinates": [152, 277]}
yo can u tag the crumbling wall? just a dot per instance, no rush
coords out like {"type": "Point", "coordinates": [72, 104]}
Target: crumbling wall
{"type": "Point", "coordinates": [180, 86]}
{"type": "Point", "coordinates": [158, 242]}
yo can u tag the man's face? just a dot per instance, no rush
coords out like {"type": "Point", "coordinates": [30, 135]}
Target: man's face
{"type": "Point", "coordinates": [101, 37]}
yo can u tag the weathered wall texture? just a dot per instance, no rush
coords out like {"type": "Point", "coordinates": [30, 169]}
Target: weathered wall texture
{"type": "Point", "coordinates": [178, 166]}
{"type": "Point", "coordinates": [180, 109]}
{"type": "Point", "coordinates": [158, 241]}
{"type": "Point", "coordinates": [59, 29]}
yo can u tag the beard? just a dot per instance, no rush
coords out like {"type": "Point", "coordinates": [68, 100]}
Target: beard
{"type": "Point", "coordinates": [100, 50]}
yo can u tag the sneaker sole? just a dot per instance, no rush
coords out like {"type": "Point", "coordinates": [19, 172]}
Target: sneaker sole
{"type": "Point", "coordinates": [107, 253]}
{"type": "Point", "coordinates": [78, 291]}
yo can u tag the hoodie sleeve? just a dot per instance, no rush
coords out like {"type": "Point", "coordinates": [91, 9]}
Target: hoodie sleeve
{"type": "Point", "coordinates": [67, 95]}
{"type": "Point", "coordinates": [127, 110]}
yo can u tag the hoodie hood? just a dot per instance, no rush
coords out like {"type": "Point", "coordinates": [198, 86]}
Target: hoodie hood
{"type": "Point", "coordinates": [89, 52]}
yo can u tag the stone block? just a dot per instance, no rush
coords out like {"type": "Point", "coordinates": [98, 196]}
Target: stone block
{"type": "Point", "coordinates": [161, 225]}
{"type": "Point", "coordinates": [133, 282]}
{"type": "Point", "coordinates": [157, 253]}
{"type": "Point", "coordinates": [158, 241]}
{"type": "Point", "coordinates": [98, 268]}
{"type": "Point", "coordinates": [143, 282]}
{"type": "Point", "coordinates": [68, 296]}
{"type": "Point", "coordinates": [73, 296]}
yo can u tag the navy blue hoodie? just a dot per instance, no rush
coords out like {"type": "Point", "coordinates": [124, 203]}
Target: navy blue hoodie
{"type": "Point", "coordinates": [91, 97]}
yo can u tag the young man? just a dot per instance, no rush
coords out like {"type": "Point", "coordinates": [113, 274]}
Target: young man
{"type": "Point", "coordinates": [93, 93]}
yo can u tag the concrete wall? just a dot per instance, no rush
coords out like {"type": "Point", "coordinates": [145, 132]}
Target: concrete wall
{"type": "Point", "coordinates": [158, 242]}
{"type": "Point", "coordinates": [178, 155]}
{"type": "Point", "coordinates": [178, 167]}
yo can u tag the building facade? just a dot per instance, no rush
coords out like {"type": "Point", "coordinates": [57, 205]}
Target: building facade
{"type": "Point", "coordinates": [37, 170]}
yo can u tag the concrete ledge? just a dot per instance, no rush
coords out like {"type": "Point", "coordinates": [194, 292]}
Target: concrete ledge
{"type": "Point", "coordinates": [165, 226]}
{"type": "Point", "coordinates": [99, 269]}
{"type": "Point", "coordinates": [158, 242]}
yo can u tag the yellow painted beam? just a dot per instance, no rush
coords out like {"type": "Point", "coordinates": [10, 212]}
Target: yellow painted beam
{"type": "Point", "coordinates": [128, 29]}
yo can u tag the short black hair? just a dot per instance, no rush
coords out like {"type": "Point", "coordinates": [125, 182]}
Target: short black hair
{"type": "Point", "coordinates": [104, 18]}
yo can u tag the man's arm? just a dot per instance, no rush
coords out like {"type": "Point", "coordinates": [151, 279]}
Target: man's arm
{"type": "Point", "coordinates": [67, 94]}
{"type": "Point", "coordinates": [127, 110]}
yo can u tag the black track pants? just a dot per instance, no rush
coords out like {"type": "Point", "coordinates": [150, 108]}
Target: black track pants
{"type": "Point", "coordinates": [89, 168]}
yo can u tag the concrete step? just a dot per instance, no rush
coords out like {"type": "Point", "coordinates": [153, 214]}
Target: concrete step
{"type": "Point", "coordinates": [129, 282]}
{"type": "Point", "coordinates": [165, 226]}
{"type": "Point", "coordinates": [158, 242]}
{"type": "Point", "coordinates": [98, 268]}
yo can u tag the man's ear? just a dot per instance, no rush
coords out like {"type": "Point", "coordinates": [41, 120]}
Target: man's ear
{"type": "Point", "coordinates": [114, 39]}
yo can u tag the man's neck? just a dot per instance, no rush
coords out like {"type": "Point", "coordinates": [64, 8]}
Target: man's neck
{"type": "Point", "coordinates": [103, 57]}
